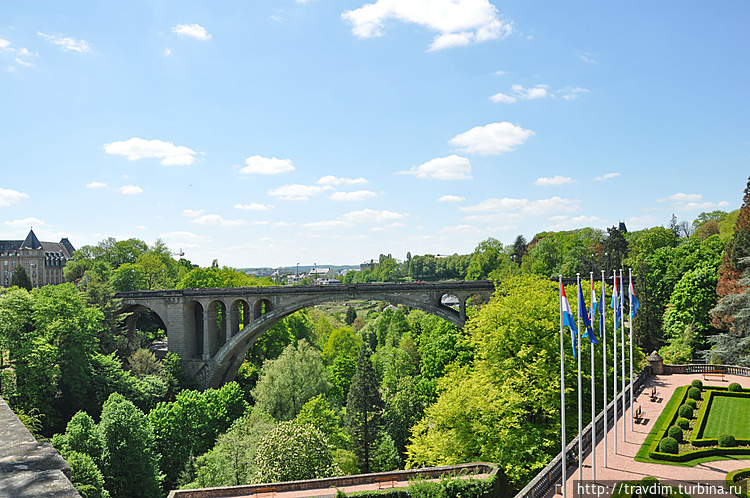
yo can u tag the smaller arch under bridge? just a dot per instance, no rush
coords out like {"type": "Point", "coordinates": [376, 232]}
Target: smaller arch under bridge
{"type": "Point", "coordinates": [212, 329]}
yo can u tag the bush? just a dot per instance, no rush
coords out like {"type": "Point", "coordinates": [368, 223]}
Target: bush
{"type": "Point", "coordinates": [691, 403]}
{"type": "Point", "coordinates": [669, 445]}
{"type": "Point", "coordinates": [727, 441]}
{"type": "Point", "coordinates": [676, 433]}
{"type": "Point", "coordinates": [682, 423]}
{"type": "Point", "coordinates": [734, 387]}
{"type": "Point", "coordinates": [694, 393]}
{"type": "Point", "coordinates": [686, 411]}
{"type": "Point", "coordinates": [649, 484]}
{"type": "Point", "coordinates": [697, 383]}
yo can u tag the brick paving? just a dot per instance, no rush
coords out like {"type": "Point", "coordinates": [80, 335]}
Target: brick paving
{"type": "Point", "coordinates": [622, 466]}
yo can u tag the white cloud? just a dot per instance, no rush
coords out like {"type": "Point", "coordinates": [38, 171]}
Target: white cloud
{"type": "Point", "coordinates": [167, 52]}
{"type": "Point", "coordinates": [536, 92]}
{"type": "Point", "coordinates": [335, 181]}
{"type": "Point", "coordinates": [566, 222]}
{"type": "Point", "coordinates": [266, 166]}
{"type": "Point", "coordinates": [554, 181]}
{"type": "Point", "coordinates": [131, 190]}
{"type": "Point", "coordinates": [4, 44]}
{"type": "Point", "coordinates": [297, 192]}
{"type": "Point", "coordinates": [504, 204]}
{"type": "Point", "coordinates": [138, 148]}
{"type": "Point", "coordinates": [497, 219]}
{"type": "Point", "coordinates": [23, 62]}
{"type": "Point", "coordinates": [372, 216]}
{"type": "Point", "coordinates": [190, 213]}
{"type": "Point", "coordinates": [96, 185]}
{"type": "Point", "coordinates": [586, 57]}
{"type": "Point", "coordinates": [216, 220]}
{"type": "Point", "coordinates": [192, 30]}
{"type": "Point", "coordinates": [456, 22]}
{"type": "Point", "coordinates": [326, 225]}
{"type": "Point", "coordinates": [501, 73]}
{"type": "Point", "coordinates": [570, 93]}
{"type": "Point", "coordinates": [608, 176]}
{"type": "Point", "coordinates": [358, 195]}
{"type": "Point", "coordinates": [491, 139]}
{"type": "Point", "coordinates": [443, 168]}
{"type": "Point", "coordinates": [254, 207]}
{"type": "Point", "coordinates": [680, 197]}
{"type": "Point", "coordinates": [460, 229]}
{"type": "Point", "coordinates": [451, 198]}
{"type": "Point", "coordinates": [26, 222]}
{"type": "Point", "coordinates": [501, 98]}
{"type": "Point", "coordinates": [67, 43]}
{"type": "Point", "coordinates": [9, 196]}
{"type": "Point", "coordinates": [552, 205]}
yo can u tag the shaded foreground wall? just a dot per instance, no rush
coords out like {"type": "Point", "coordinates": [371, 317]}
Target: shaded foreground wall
{"type": "Point", "coordinates": [29, 468]}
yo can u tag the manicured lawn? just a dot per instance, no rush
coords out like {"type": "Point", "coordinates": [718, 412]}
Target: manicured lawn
{"type": "Point", "coordinates": [728, 416]}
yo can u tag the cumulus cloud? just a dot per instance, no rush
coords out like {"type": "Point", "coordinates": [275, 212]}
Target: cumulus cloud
{"type": "Point", "coordinates": [606, 177]}
{"type": "Point", "coordinates": [681, 197]}
{"type": "Point", "coordinates": [297, 192]}
{"type": "Point", "coordinates": [26, 223]}
{"type": "Point", "coordinates": [266, 166]}
{"type": "Point", "coordinates": [553, 205]}
{"type": "Point", "coordinates": [9, 196]}
{"type": "Point", "coordinates": [443, 168]}
{"type": "Point", "coordinates": [570, 93]}
{"type": "Point", "coordinates": [358, 195]}
{"type": "Point", "coordinates": [372, 216]}
{"type": "Point", "coordinates": [96, 185]}
{"type": "Point", "coordinates": [216, 220]}
{"type": "Point", "coordinates": [520, 92]}
{"type": "Point", "coordinates": [456, 22]}
{"type": "Point", "coordinates": [501, 98]}
{"type": "Point", "coordinates": [138, 148]}
{"type": "Point", "coordinates": [491, 139]}
{"type": "Point", "coordinates": [335, 181]}
{"type": "Point", "coordinates": [192, 30]}
{"type": "Point", "coordinates": [553, 181]}
{"type": "Point", "coordinates": [451, 198]}
{"type": "Point", "coordinates": [254, 207]}
{"type": "Point", "coordinates": [193, 213]}
{"type": "Point", "coordinates": [131, 190]}
{"type": "Point", "coordinates": [67, 43]}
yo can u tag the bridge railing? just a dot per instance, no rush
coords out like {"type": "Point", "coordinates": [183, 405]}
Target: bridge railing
{"type": "Point", "coordinates": [703, 368]}
{"type": "Point", "coordinates": [546, 479]}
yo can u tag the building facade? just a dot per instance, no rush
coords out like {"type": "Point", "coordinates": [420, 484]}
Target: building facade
{"type": "Point", "coordinates": [43, 261]}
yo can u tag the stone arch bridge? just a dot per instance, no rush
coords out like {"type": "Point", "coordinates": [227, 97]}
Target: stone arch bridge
{"type": "Point", "coordinates": [212, 329]}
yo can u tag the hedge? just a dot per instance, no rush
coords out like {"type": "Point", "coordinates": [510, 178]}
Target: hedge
{"type": "Point", "coordinates": [700, 423]}
{"type": "Point", "coordinates": [735, 476]}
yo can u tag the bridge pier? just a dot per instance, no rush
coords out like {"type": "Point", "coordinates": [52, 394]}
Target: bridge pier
{"type": "Point", "coordinates": [193, 329]}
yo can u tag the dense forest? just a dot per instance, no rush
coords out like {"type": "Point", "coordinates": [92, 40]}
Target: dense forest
{"type": "Point", "coordinates": [360, 386]}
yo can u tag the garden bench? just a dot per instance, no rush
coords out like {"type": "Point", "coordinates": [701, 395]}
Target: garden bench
{"type": "Point", "coordinates": [638, 415]}
{"type": "Point", "coordinates": [654, 394]}
{"type": "Point", "coordinates": [264, 492]}
{"type": "Point", "coordinates": [386, 482]}
{"type": "Point", "coordinates": [713, 373]}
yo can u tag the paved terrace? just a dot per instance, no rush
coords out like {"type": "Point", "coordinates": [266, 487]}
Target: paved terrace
{"type": "Point", "coordinates": [622, 466]}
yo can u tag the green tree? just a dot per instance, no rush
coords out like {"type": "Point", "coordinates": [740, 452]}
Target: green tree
{"type": "Point", "coordinates": [293, 452]}
{"type": "Point", "coordinates": [129, 277]}
{"type": "Point", "coordinates": [364, 409]}
{"type": "Point", "coordinates": [488, 257]}
{"type": "Point", "coordinates": [351, 314]}
{"type": "Point", "coordinates": [86, 476]}
{"type": "Point", "coordinates": [20, 278]}
{"type": "Point", "coordinates": [130, 463]}
{"type": "Point", "coordinates": [318, 413]}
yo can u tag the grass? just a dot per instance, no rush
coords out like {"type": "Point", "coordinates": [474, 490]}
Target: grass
{"type": "Point", "coordinates": [728, 416]}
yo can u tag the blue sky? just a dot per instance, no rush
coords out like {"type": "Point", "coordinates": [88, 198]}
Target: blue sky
{"type": "Point", "coordinates": [321, 131]}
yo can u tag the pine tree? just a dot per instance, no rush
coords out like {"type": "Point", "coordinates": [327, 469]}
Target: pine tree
{"type": "Point", "coordinates": [351, 315]}
{"type": "Point", "coordinates": [20, 278]}
{"type": "Point", "coordinates": [364, 409]}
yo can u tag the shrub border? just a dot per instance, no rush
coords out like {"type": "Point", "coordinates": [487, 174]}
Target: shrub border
{"type": "Point", "coordinates": [732, 478]}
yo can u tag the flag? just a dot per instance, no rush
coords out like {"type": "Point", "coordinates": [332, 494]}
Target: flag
{"type": "Point", "coordinates": [568, 320]}
{"type": "Point", "coordinates": [593, 302]}
{"type": "Point", "coordinates": [601, 312]}
{"type": "Point", "coordinates": [616, 305]}
{"type": "Point", "coordinates": [634, 304]}
{"type": "Point", "coordinates": [589, 334]}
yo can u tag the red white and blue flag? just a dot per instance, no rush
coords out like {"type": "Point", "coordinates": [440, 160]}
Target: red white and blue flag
{"type": "Point", "coordinates": [568, 320]}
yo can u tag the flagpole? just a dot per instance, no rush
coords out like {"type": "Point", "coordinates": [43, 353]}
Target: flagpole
{"type": "Point", "coordinates": [564, 459]}
{"type": "Point", "coordinates": [622, 360]}
{"type": "Point", "coordinates": [614, 349]}
{"type": "Point", "coordinates": [580, 394]}
{"type": "Point", "coordinates": [630, 301]}
{"type": "Point", "coordinates": [604, 364]}
{"type": "Point", "coordinates": [593, 387]}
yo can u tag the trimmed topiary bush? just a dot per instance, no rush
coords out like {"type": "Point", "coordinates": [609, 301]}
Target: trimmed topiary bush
{"type": "Point", "coordinates": [694, 393]}
{"type": "Point", "coordinates": [691, 403]}
{"type": "Point", "coordinates": [650, 487]}
{"type": "Point", "coordinates": [676, 433]}
{"type": "Point", "coordinates": [682, 423]}
{"type": "Point", "coordinates": [697, 383]}
{"type": "Point", "coordinates": [669, 445]}
{"type": "Point", "coordinates": [727, 441]}
{"type": "Point", "coordinates": [686, 411]}
{"type": "Point", "coordinates": [734, 387]}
